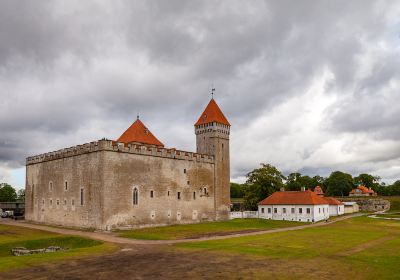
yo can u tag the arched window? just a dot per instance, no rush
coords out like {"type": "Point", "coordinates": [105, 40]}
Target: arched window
{"type": "Point", "coordinates": [135, 196]}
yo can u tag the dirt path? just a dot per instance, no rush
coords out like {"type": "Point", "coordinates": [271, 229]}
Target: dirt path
{"type": "Point", "coordinates": [111, 237]}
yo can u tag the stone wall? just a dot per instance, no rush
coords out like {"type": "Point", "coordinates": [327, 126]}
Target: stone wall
{"type": "Point", "coordinates": [106, 173]}
{"type": "Point", "coordinates": [169, 191]}
{"type": "Point", "coordinates": [369, 204]}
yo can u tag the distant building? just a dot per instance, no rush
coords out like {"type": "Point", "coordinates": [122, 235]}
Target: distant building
{"type": "Point", "coordinates": [318, 191]}
{"type": "Point", "coordinates": [362, 191]}
{"type": "Point", "coordinates": [336, 207]}
{"type": "Point", "coordinates": [350, 207]}
{"type": "Point", "coordinates": [302, 206]}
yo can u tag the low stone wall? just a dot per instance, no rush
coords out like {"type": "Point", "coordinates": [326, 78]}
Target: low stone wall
{"type": "Point", "coordinates": [369, 204]}
{"type": "Point", "coordinates": [21, 251]}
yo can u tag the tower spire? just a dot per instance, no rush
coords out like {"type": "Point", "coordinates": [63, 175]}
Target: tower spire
{"type": "Point", "coordinates": [212, 91]}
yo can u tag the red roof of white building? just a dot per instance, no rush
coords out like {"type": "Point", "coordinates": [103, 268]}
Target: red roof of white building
{"type": "Point", "coordinates": [293, 198]}
{"type": "Point", "coordinates": [333, 201]}
{"type": "Point", "coordinates": [212, 113]}
{"type": "Point", "coordinates": [138, 132]}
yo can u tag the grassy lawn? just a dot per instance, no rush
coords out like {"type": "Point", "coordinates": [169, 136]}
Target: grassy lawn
{"type": "Point", "coordinates": [205, 229]}
{"type": "Point", "coordinates": [394, 202]}
{"type": "Point", "coordinates": [390, 215]}
{"type": "Point", "coordinates": [359, 248]}
{"type": "Point", "coordinates": [12, 236]}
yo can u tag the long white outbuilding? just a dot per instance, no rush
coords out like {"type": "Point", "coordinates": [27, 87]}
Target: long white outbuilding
{"type": "Point", "coordinates": [302, 206]}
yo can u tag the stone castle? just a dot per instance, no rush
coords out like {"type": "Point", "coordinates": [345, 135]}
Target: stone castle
{"type": "Point", "coordinates": [134, 181]}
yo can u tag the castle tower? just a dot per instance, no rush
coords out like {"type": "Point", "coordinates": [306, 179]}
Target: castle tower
{"type": "Point", "coordinates": [212, 137]}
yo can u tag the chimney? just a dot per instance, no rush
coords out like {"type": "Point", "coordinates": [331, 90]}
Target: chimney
{"type": "Point", "coordinates": [303, 189]}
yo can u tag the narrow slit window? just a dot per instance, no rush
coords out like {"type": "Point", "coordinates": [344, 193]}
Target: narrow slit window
{"type": "Point", "coordinates": [82, 197]}
{"type": "Point", "coordinates": [135, 196]}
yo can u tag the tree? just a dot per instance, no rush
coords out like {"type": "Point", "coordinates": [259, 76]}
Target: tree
{"type": "Point", "coordinates": [368, 181]}
{"type": "Point", "coordinates": [7, 193]}
{"type": "Point", "coordinates": [237, 190]}
{"type": "Point", "coordinates": [21, 195]}
{"type": "Point", "coordinates": [295, 181]}
{"type": "Point", "coordinates": [339, 184]}
{"type": "Point", "coordinates": [261, 182]}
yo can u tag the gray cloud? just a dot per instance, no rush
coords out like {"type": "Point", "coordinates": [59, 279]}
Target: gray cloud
{"type": "Point", "coordinates": [300, 82]}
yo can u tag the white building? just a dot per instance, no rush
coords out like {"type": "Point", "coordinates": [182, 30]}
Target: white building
{"type": "Point", "coordinates": [350, 207]}
{"type": "Point", "coordinates": [336, 207]}
{"type": "Point", "coordinates": [302, 206]}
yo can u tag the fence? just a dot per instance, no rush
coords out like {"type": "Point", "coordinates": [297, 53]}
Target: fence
{"type": "Point", "coordinates": [244, 214]}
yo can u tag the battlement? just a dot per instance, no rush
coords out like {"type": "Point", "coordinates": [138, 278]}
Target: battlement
{"type": "Point", "coordinates": [131, 148]}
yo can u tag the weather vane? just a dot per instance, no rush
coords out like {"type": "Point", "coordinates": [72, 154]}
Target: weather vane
{"type": "Point", "coordinates": [212, 92]}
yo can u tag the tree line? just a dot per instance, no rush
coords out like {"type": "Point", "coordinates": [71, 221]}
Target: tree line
{"type": "Point", "coordinates": [267, 179]}
{"type": "Point", "coordinates": [10, 194]}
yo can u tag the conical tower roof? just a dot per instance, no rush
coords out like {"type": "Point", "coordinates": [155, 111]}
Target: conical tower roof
{"type": "Point", "coordinates": [212, 113]}
{"type": "Point", "coordinates": [138, 132]}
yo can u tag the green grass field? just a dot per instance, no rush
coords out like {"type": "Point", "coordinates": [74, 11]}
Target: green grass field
{"type": "Point", "coordinates": [12, 236]}
{"type": "Point", "coordinates": [205, 229]}
{"type": "Point", "coordinates": [394, 202]}
{"type": "Point", "coordinates": [358, 248]}
{"type": "Point", "coordinates": [390, 215]}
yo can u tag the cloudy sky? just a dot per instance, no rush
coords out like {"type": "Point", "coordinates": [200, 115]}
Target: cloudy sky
{"type": "Point", "coordinates": [308, 86]}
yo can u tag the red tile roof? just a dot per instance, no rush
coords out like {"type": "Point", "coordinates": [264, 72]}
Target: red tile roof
{"type": "Point", "coordinates": [138, 132]}
{"type": "Point", "coordinates": [293, 197]}
{"type": "Point", "coordinates": [363, 189]}
{"type": "Point", "coordinates": [333, 201]}
{"type": "Point", "coordinates": [212, 113]}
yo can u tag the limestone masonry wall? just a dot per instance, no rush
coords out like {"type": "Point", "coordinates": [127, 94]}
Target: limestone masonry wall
{"type": "Point", "coordinates": [369, 204]}
{"type": "Point", "coordinates": [92, 186]}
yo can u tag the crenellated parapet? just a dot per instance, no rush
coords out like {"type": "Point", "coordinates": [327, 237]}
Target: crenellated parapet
{"type": "Point", "coordinates": [131, 148]}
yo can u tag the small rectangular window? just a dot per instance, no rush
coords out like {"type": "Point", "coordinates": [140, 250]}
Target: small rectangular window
{"type": "Point", "coordinates": [284, 210]}
{"type": "Point", "coordinates": [262, 210]}
{"type": "Point", "coordinates": [300, 210]}
{"type": "Point", "coordinates": [184, 170]}
{"type": "Point", "coordinates": [275, 210]}
{"type": "Point", "coordinates": [292, 211]}
{"type": "Point", "coordinates": [168, 193]}
{"type": "Point", "coordinates": [151, 194]}
{"type": "Point", "coordinates": [269, 210]}
{"type": "Point", "coordinates": [194, 195]}
{"type": "Point", "coordinates": [308, 210]}
{"type": "Point", "coordinates": [81, 196]}
{"type": "Point", "coordinates": [66, 185]}
{"type": "Point", "coordinates": [179, 195]}
{"type": "Point", "coordinates": [188, 182]}
{"type": "Point", "coordinates": [73, 202]}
